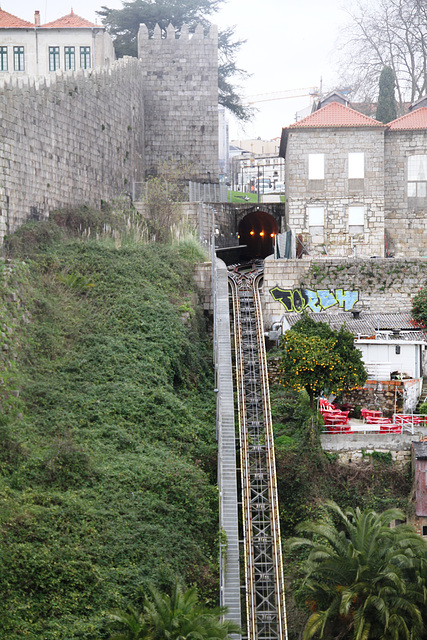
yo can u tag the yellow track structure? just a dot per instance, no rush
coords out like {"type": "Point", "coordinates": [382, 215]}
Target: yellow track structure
{"type": "Point", "coordinates": [264, 582]}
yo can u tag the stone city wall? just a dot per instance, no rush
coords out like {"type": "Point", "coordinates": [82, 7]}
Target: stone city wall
{"type": "Point", "coordinates": [405, 217]}
{"type": "Point", "coordinates": [181, 99]}
{"type": "Point", "coordinates": [378, 285]}
{"type": "Point", "coordinates": [73, 139]}
{"type": "Point", "coordinates": [336, 192]}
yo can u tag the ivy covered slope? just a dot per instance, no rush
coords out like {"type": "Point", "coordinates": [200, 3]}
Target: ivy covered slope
{"type": "Point", "coordinates": [107, 457]}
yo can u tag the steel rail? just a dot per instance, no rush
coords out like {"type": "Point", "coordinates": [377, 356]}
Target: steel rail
{"type": "Point", "coordinates": [244, 466]}
{"type": "Point", "coordinates": [272, 479]}
{"type": "Point", "coordinates": [265, 602]}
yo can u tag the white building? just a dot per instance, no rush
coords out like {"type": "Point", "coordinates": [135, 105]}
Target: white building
{"type": "Point", "coordinates": [256, 160]}
{"type": "Point", "coordinates": [69, 43]}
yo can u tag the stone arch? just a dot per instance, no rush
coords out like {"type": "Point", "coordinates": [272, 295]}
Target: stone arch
{"type": "Point", "coordinates": [257, 231]}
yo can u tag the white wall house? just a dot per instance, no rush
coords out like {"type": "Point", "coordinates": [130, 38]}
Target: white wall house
{"type": "Point", "coordinates": [384, 357]}
{"type": "Point", "coordinates": [67, 44]}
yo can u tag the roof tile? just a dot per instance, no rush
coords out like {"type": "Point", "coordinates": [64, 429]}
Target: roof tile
{"type": "Point", "coordinates": [335, 114]}
{"type": "Point", "coordinates": [9, 21]}
{"type": "Point", "coordinates": [416, 119]}
{"type": "Point", "coordinates": [70, 21]}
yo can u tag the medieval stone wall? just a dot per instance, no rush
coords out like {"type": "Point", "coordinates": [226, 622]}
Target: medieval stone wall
{"type": "Point", "coordinates": [336, 192]}
{"type": "Point", "coordinates": [181, 99]}
{"type": "Point", "coordinates": [405, 217]}
{"type": "Point", "coordinates": [77, 138]}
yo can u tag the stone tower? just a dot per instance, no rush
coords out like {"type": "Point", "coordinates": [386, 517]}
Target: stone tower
{"type": "Point", "coordinates": [180, 80]}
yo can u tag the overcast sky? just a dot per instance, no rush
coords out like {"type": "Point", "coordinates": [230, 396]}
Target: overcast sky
{"type": "Point", "coordinates": [290, 46]}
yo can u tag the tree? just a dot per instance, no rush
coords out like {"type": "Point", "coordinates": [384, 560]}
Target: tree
{"type": "Point", "coordinates": [386, 33]}
{"type": "Point", "coordinates": [123, 25]}
{"type": "Point", "coordinates": [319, 359]}
{"type": "Point", "coordinates": [363, 579]}
{"type": "Point", "coordinates": [179, 616]}
{"type": "Point", "coordinates": [419, 308]}
{"type": "Point", "coordinates": [386, 106]}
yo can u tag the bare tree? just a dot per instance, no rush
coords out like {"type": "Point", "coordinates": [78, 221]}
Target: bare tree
{"type": "Point", "coordinates": [386, 33]}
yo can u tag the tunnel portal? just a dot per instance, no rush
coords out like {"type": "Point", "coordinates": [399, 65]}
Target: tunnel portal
{"type": "Point", "coordinates": [257, 231]}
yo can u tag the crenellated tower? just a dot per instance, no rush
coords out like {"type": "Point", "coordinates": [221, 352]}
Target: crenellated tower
{"type": "Point", "coordinates": [180, 80]}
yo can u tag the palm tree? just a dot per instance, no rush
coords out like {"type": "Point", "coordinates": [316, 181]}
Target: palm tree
{"type": "Point", "coordinates": [179, 616]}
{"type": "Point", "coordinates": [132, 620]}
{"type": "Point", "coordinates": [363, 579]}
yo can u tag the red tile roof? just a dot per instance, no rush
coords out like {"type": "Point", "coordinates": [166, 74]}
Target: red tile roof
{"type": "Point", "coordinates": [416, 119]}
{"type": "Point", "coordinates": [70, 21]}
{"type": "Point", "coordinates": [335, 114]}
{"type": "Point", "coordinates": [8, 21]}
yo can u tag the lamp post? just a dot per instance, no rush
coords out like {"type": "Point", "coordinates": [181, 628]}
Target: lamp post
{"type": "Point", "coordinates": [257, 191]}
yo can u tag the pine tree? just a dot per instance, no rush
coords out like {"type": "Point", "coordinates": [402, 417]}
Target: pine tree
{"type": "Point", "coordinates": [386, 106]}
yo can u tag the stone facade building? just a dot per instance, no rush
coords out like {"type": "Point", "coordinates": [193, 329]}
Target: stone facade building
{"type": "Point", "coordinates": [356, 187]}
{"type": "Point", "coordinates": [38, 50]}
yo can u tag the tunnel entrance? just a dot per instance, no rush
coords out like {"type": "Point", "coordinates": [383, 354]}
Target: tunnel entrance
{"type": "Point", "coordinates": [257, 231]}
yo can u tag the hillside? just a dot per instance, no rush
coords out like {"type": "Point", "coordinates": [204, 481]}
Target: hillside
{"type": "Point", "coordinates": [107, 432]}
{"type": "Point", "coordinates": [108, 456]}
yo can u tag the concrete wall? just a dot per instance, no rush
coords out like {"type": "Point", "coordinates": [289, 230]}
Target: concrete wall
{"type": "Point", "coordinates": [73, 140]}
{"type": "Point", "coordinates": [405, 218]}
{"type": "Point", "coordinates": [180, 79]}
{"type": "Point", "coordinates": [351, 448]}
{"type": "Point", "coordinates": [336, 192]}
{"type": "Point", "coordinates": [386, 285]}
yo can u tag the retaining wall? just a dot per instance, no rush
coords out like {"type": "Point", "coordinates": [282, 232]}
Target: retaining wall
{"type": "Point", "coordinates": [382, 285]}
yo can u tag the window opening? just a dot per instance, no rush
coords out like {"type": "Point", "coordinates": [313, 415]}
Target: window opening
{"type": "Point", "coordinates": [3, 58]}
{"type": "Point", "coordinates": [70, 58]}
{"type": "Point", "coordinates": [53, 58]}
{"type": "Point", "coordinates": [85, 57]}
{"type": "Point", "coordinates": [18, 59]}
{"type": "Point", "coordinates": [316, 166]}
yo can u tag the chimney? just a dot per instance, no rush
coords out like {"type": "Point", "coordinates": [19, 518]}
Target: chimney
{"type": "Point", "coordinates": [37, 18]}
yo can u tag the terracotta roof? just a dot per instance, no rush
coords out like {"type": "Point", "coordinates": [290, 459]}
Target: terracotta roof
{"type": "Point", "coordinates": [335, 114]}
{"type": "Point", "coordinates": [70, 21]}
{"type": "Point", "coordinates": [416, 119]}
{"type": "Point", "coordinates": [8, 21]}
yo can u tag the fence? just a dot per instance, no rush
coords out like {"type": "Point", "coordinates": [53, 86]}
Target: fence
{"type": "Point", "coordinates": [190, 192]}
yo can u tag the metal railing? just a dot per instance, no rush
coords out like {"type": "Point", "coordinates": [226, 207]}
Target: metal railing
{"type": "Point", "coordinates": [187, 192]}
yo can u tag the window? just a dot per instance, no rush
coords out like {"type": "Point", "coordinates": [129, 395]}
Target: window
{"type": "Point", "coordinates": [18, 59]}
{"type": "Point", "coordinates": [417, 176]}
{"type": "Point", "coordinates": [316, 166]}
{"type": "Point", "coordinates": [316, 220]}
{"type": "Point", "coordinates": [356, 219]}
{"type": "Point", "coordinates": [53, 58]}
{"type": "Point", "coordinates": [3, 58]}
{"type": "Point", "coordinates": [70, 58]}
{"type": "Point", "coordinates": [356, 166]}
{"type": "Point", "coordinates": [424, 530]}
{"type": "Point", "coordinates": [85, 57]}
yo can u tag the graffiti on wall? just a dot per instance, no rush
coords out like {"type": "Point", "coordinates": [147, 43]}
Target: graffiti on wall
{"type": "Point", "coordinates": [320, 300]}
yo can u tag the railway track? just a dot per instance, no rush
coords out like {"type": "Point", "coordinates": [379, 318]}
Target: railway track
{"type": "Point", "coordinates": [264, 583]}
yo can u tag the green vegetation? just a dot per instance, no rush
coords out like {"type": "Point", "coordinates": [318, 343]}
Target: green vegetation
{"type": "Point", "coordinates": [386, 105]}
{"type": "Point", "coordinates": [108, 456]}
{"type": "Point", "coordinates": [173, 617]}
{"type": "Point", "coordinates": [362, 579]}
{"type": "Point", "coordinates": [419, 307]}
{"type": "Point", "coordinates": [319, 359]}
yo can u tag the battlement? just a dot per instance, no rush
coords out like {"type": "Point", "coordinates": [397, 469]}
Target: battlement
{"type": "Point", "coordinates": [12, 81]}
{"type": "Point", "coordinates": [170, 34]}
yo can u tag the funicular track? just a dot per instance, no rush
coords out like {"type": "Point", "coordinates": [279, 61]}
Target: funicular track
{"type": "Point", "coordinates": [264, 583]}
